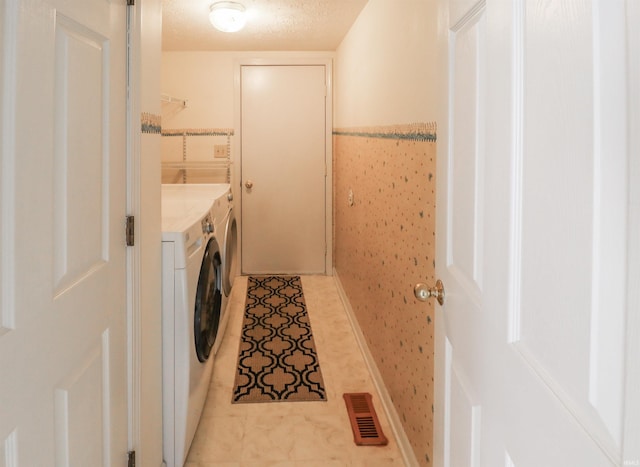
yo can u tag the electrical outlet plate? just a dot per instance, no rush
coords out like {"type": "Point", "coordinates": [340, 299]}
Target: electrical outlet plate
{"type": "Point", "coordinates": [220, 151]}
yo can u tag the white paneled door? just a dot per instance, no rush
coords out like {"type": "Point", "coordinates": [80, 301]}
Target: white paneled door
{"type": "Point", "coordinates": [62, 253]}
{"type": "Point", "coordinates": [534, 216]}
{"type": "Point", "coordinates": [284, 147]}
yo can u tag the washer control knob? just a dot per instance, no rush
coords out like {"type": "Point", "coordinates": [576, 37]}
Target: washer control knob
{"type": "Point", "coordinates": [207, 226]}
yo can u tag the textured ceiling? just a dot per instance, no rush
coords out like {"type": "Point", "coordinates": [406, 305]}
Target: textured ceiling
{"type": "Point", "coordinates": [271, 25]}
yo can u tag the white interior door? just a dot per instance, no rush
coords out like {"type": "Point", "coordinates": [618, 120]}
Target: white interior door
{"type": "Point", "coordinates": [532, 235]}
{"type": "Point", "coordinates": [283, 113]}
{"type": "Point", "coordinates": [63, 153]}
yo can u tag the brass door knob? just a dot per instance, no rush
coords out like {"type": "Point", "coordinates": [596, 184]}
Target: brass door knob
{"type": "Point", "coordinates": [423, 292]}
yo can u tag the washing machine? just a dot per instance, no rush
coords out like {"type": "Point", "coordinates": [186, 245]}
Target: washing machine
{"type": "Point", "coordinates": [225, 231]}
{"type": "Point", "coordinates": [192, 295]}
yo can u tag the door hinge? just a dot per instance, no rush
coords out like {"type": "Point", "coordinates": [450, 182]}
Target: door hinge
{"type": "Point", "coordinates": [130, 231]}
{"type": "Point", "coordinates": [132, 459]}
{"type": "Point", "coordinates": [131, 2]}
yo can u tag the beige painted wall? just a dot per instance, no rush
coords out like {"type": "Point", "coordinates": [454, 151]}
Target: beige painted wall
{"type": "Point", "coordinates": [385, 67]}
{"type": "Point", "coordinates": [206, 80]}
{"type": "Point", "coordinates": [385, 78]}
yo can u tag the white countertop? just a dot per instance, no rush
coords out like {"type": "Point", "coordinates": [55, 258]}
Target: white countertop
{"type": "Point", "coordinates": [185, 204]}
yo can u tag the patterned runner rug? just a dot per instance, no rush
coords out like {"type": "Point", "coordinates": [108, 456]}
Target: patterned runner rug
{"type": "Point", "coordinates": [277, 356]}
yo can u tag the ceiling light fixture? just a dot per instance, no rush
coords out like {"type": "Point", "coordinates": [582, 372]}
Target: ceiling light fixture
{"type": "Point", "coordinates": [227, 16]}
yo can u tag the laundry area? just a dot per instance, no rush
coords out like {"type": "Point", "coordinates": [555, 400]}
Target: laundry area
{"type": "Point", "coordinates": [284, 238]}
{"type": "Point", "coordinates": [242, 368]}
{"type": "Point", "coordinates": [263, 122]}
{"type": "Point", "coordinates": [334, 174]}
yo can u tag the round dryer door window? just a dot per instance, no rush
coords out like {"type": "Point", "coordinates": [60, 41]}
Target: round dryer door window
{"type": "Point", "coordinates": [208, 301]}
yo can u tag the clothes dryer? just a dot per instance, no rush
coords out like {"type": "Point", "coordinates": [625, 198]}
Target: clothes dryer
{"type": "Point", "coordinates": [226, 232]}
{"type": "Point", "coordinates": [191, 313]}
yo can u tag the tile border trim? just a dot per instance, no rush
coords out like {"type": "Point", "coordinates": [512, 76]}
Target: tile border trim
{"type": "Point", "coordinates": [150, 123]}
{"type": "Point", "coordinates": [410, 131]}
{"type": "Point", "coordinates": [198, 132]}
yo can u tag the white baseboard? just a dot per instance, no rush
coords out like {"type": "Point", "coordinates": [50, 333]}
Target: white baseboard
{"type": "Point", "coordinates": [404, 445]}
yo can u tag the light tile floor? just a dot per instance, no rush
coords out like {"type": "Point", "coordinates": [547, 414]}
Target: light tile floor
{"type": "Point", "coordinates": [288, 434]}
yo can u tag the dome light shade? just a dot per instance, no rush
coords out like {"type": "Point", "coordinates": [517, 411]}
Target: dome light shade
{"type": "Point", "coordinates": [227, 16]}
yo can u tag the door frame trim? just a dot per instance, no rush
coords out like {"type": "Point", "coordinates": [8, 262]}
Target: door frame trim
{"type": "Point", "coordinates": [133, 209]}
{"type": "Point", "coordinates": [631, 428]}
{"type": "Point", "coordinates": [236, 152]}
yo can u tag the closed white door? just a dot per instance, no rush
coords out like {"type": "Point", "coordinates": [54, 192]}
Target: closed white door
{"type": "Point", "coordinates": [62, 252]}
{"type": "Point", "coordinates": [532, 234]}
{"type": "Point", "coordinates": [283, 169]}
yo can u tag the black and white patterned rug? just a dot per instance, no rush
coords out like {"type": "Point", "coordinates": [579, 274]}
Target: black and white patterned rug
{"type": "Point", "coordinates": [277, 358]}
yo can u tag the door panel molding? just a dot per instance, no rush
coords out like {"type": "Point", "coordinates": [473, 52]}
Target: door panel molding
{"type": "Point", "coordinates": [81, 153]}
{"type": "Point", "coordinates": [466, 161]}
{"type": "Point", "coordinates": [73, 422]}
{"type": "Point", "coordinates": [9, 449]}
{"type": "Point", "coordinates": [517, 128]}
{"type": "Point", "coordinates": [466, 419]}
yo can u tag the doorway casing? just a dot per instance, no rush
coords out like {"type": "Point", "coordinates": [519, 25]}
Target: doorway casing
{"type": "Point", "coordinates": [280, 60]}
